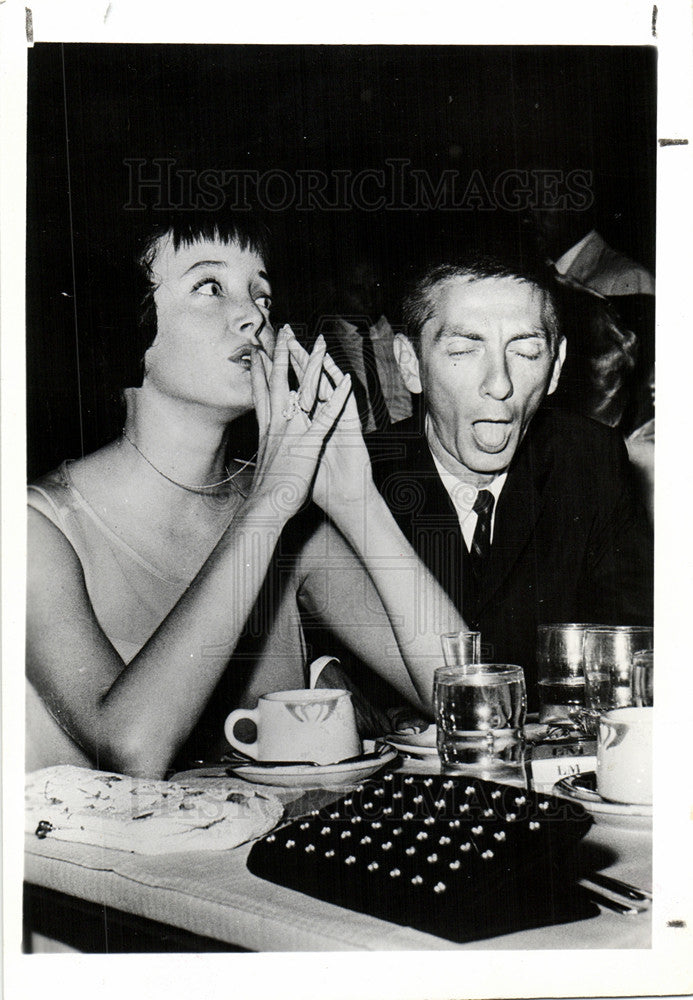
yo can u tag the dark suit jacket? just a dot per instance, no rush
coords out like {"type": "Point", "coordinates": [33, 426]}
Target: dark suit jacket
{"type": "Point", "coordinates": [571, 542]}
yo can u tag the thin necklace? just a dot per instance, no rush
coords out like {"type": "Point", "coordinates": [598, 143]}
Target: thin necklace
{"type": "Point", "coordinates": [200, 490]}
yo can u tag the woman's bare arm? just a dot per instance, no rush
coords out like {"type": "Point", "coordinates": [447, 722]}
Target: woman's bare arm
{"type": "Point", "coordinates": [134, 718]}
{"type": "Point", "coordinates": [337, 591]}
{"type": "Point", "coordinates": [415, 605]}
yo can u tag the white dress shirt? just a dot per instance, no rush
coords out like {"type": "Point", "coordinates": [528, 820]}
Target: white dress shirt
{"type": "Point", "coordinates": [566, 261]}
{"type": "Point", "coordinates": [463, 496]}
{"type": "Point", "coordinates": [598, 266]}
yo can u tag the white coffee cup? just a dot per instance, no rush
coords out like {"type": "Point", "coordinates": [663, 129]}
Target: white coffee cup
{"type": "Point", "coordinates": [316, 725]}
{"type": "Point", "coordinates": [624, 756]}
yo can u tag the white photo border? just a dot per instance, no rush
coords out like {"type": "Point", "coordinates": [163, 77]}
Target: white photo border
{"type": "Point", "coordinates": [666, 968]}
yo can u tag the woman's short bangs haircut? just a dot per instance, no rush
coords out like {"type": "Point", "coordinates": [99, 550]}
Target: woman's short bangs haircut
{"type": "Point", "coordinates": [184, 229]}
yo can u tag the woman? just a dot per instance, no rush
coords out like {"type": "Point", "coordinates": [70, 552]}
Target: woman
{"type": "Point", "coordinates": [608, 376]}
{"type": "Point", "coordinates": [162, 586]}
{"type": "Point", "coordinates": [596, 377]}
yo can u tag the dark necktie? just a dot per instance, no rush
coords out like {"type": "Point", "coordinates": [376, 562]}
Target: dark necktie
{"type": "Point", "coordinates": [481, 542]}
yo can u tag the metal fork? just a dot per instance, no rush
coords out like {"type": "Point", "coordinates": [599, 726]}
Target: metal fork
{"type": "Point", "coordinates": [623, 898]}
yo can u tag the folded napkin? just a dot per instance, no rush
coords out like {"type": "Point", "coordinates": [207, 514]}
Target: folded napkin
{"type": "Point", "coordinates": [142, 815]}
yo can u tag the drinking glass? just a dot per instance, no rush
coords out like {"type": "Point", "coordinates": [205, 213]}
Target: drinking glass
{"type": "Point", "coordinates": [608, 665]}
{"type": "Point", "coordinates": [480, 711]}
{"type": "Point", "coordinates": [460, 648]}
{"type": "Point", "coordinates": [561, 673]}
{"type": "Point", "coordinates": [643, 679]}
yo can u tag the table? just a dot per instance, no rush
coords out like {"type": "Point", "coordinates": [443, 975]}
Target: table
{"type": "Point", "coordinates": [210, 901]}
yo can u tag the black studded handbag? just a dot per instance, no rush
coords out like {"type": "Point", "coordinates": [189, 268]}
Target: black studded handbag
{"type": "Point", "coordinates": [460, 858]}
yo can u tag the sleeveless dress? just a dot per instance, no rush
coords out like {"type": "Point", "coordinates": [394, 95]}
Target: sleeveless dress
{"type": "Point", "coordinates": [131, 597]}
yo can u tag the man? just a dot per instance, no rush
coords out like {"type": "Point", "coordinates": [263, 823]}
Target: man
{"type": "Point", "coordinates": [580, 253]}
{"type": "Point", "coordinates": [557, 534]}
{"type": "Point", "coordinates": [359, 338]}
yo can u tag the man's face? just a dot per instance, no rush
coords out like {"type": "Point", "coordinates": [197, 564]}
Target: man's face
{"type": "Point", "coordinates": [484, 366]}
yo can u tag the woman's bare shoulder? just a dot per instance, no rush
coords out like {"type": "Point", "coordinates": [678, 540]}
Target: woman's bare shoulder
{"type": "Point", "coordinates": [100, 472]}
{"type": "Point", "coordinates": [78, 471]}
{"type": "Point", "coordinates": [57, 500]}
{"type": "Point", "coordinates": [52, 560]}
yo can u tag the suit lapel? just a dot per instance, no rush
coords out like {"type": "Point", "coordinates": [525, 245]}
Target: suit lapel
{"type": "Point", "coordinates": [433, 527]}
{"type": "Point", "coordinates": [408, 460]}
{"type": "Point", "coordinates": [519, 507]}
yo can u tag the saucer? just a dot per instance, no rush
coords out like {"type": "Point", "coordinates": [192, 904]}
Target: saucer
{"type": "Point", "coordinates": [423, 744]}
{"type": "Point", "coordinates": [319, 775]}
{"type": "Point", "coordinates": [582, 788]}
{"type": "Point", "coordinates": [413, 744]}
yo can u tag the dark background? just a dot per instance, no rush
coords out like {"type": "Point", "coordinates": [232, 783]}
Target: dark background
{"type": "Point", "coordinates": [92, 107]}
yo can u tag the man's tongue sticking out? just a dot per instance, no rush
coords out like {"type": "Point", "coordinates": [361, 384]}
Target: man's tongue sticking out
{"type": "Point", "coordinates": [491, 435]}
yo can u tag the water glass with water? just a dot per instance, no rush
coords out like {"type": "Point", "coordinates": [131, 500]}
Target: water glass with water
{"type": "Point", "coordinates": [609, 653]}
{"type": "Point", "coordinates": [561, 674]}
{"type": "Point", "coordinates": [480, 711]}
{"type": "Point", "coordinates": [461, 647]}
{"type": "Point", "coordinates": [643, 679]}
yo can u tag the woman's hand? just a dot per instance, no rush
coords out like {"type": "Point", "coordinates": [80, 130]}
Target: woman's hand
{"type": "Point", "coordinates": [641, 445]}
{"type": "Point", "coordinates": [344, 478]}
{"type": "Point", "coordinates": [293, 425]}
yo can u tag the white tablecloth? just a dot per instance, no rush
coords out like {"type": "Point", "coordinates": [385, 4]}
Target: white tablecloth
{"type": "Point", "coordinates": [214, 895]}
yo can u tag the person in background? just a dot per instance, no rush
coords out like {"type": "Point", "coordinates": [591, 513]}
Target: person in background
{"type": "Point", "coordinates": [360, 338]}
{"type": "Point", "coordinates": [578, 252]}
{"type": "Point", "coordinates": [583, 259]}
{"type": "Point", "coordinates": [641, 451]}
{"type": "Point", "coordinates": [600, 356]}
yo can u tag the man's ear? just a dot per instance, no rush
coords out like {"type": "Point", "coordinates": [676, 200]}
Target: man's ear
{"type": "Point", "coordinates": [557, 366]}
{"type": "Point", "coordinates": [407, 362]}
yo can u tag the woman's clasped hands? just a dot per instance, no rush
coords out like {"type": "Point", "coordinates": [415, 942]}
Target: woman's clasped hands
{"type": "Point", "coordinates": [310, 438]}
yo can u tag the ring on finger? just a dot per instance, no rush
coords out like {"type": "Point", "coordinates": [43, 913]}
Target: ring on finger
{"type": "Point", "coordinates": [292, 406]}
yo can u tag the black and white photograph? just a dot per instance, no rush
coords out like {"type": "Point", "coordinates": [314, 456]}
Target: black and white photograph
{"type": "Point", "coordinates": [339, 402]}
